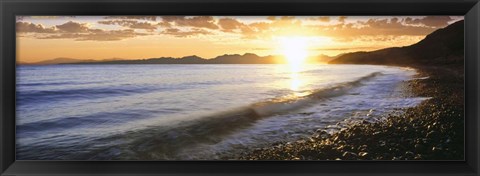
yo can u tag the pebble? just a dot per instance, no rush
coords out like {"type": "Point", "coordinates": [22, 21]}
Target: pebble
{"type": "Point", "coordinates": [431, 131]}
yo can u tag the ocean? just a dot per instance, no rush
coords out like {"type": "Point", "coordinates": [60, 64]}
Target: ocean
{"type": "Point", "coordinates": [193, 112]}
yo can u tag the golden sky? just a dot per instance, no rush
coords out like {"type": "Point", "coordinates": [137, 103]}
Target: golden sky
{"type": "Point", "coordinates": [139, 37]}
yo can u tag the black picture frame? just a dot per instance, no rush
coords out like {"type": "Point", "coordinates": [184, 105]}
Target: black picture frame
{"type": "Point", "coordinates": [10, 8]}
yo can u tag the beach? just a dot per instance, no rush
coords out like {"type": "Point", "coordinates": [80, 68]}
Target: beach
{"type": "Point", "coordinates": [433, 130]}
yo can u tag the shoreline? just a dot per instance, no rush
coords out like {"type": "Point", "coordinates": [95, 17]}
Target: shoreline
{"type": "Point", "coordinates": [433, 130]}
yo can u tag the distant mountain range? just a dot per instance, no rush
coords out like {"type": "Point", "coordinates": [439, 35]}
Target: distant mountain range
{"type": "Point", "coordinates": [60, 60]}
{"type": "Point", "coordinates": [65, 60]}
{"type": "Point", "coordinates": [442, 47]}
{"type": "Point", "coordinates": [247, 58]}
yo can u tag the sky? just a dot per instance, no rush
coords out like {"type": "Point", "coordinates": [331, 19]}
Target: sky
{"type": "Point", "coordinates": [139, 37]}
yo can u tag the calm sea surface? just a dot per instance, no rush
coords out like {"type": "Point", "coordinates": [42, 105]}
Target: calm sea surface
{"type": "Point", "coordinates": [190, 112]}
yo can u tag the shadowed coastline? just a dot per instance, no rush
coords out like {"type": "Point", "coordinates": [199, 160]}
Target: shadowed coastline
{"type": "Point", "coordinates": [434, 130]}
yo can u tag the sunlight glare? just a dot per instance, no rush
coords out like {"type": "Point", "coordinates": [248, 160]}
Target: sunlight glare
{"type": "Point", "coordinates": [295, 50]}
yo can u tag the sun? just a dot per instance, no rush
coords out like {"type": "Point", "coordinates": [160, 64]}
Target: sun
{"type": "Point", "coordinates": [295, 50]}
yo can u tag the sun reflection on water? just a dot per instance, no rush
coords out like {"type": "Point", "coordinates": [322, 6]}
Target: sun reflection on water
{"type": "Point", "coordinates": [295, 51]}
{"type": "Point", "coordinates": [295, 81]}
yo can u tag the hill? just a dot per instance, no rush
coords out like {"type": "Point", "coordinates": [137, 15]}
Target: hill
{"type": "Point", "coordinates": [442, 47]}
{"type": "Point", "coordinates": [60, 60]}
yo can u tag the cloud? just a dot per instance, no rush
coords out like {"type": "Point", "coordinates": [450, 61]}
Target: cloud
{"type": "Point", "coordinates": [432, 21]}
{"type": "Point", "coordinates": [131, 24]}
{"type": "Point", "coordinates": [179, 33]}
{"type": "Point", "coordinates": [271, 18]}
{"type": "Point", "coordinates": [394, 27]}
{"type": "Point", "coordinates": [148, 18]}
{"type": "Point", "coordinates": [260, 25]}
{"type": "Point", "coordinates": [68, 27]}
{"type": "Point", "coordinates": [285, 22]}
{"type": "Point", "coordinates": [287, 25]}
{"type": "Point", "coordinates": [230, 24]}
{"type": "Point", "coordinates": [27, 27]}
{"type": "Point", "coordinates": [251, 30]}
{"type": "Point", "coordinates": [183, 26]}
{"type": "Point", "coordinates": [98, 35]}
{"type": "Point", "coordinates": [287, 18]}
{"type": "Point", "coordinates": [341, 19]}
{"type": "Point", "coordinates": [75, 31]}
{"type": "Point", "coordinates": [322, 19]}
{"type": "Point", "coordinates": [73, 27]}
{"type": "Point", "coordinates": [392, 23]}
{"type": "Point", "coordinates": [21, 18]}
{"type": "Point", "coordinates": [197, 21]}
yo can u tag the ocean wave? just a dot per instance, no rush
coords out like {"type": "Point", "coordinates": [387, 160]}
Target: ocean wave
{"type": "Point", "coordinates": [37, 84]}
{"type": "Point", "coordinates": [282, 104]}
{"type": "Point", "coordinates": [31, 97]}
{"type": "Point", "coordinates": [168, 140]}
{"type": "Point", "coordinates": [88, 121]}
